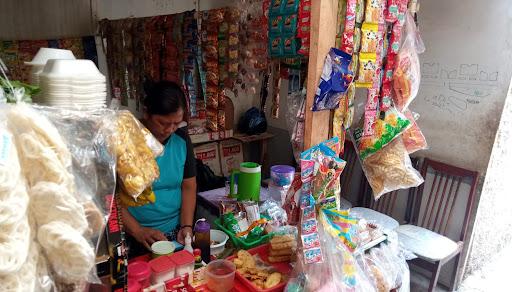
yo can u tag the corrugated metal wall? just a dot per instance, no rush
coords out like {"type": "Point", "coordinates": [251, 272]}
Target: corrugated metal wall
{"type": "Point", "coordinates": [46, 19]}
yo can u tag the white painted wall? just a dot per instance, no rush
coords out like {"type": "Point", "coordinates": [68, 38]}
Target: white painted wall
{"type": "Point", "coordinates": [466, 69]}
{"type": "Point", "coordinates": [493, 226]}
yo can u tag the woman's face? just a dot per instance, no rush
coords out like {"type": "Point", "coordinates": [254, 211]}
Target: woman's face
{"type": "Point", "coordinates": [162, 126]}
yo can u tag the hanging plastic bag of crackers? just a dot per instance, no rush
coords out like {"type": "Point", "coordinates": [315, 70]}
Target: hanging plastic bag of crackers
{"type": "Point", "coordinates": [406, 77]}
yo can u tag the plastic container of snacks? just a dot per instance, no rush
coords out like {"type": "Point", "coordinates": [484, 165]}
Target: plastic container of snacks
{"type": "Point", "coordinates": [241, 242]}
{"type": "Point", "coordinates": [282, 175]}
{"type": "Point", "coordinates": [133, 286]}
{"type": "Point", "coordinates": [139, 272]}
{"type": "Point", "coordinates": [219, 239]}
{"type": "Point", "coordinates": [162, 269]}
{"type": "Point", "coordinates": [184, 262]}
{"type": "Point", "coordinates": [220, 275]}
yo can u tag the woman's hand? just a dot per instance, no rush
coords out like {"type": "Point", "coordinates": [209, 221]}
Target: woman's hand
{"type": "Point", "coordinates": [146, 236]}
{"type": "Point", "coordinates": [183, 233]}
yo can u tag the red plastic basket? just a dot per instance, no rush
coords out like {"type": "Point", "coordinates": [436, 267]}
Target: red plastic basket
{"type": "Point", "coordinates": [262, 250]}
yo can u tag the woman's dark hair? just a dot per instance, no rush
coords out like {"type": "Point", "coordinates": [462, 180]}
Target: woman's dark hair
{"type": "Point", "coordinates": [163, 98]}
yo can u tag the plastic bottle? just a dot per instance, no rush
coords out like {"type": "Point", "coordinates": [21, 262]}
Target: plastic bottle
{"type": "Point", "coordinates": [202, 238]}
{"type": "Point", "coordinates": [188, 244]}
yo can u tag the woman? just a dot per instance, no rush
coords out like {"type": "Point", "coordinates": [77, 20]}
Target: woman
{"type": "Point", "coordinates": [171, 216]}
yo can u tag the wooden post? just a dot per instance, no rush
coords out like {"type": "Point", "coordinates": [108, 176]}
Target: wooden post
{"type": "Point", "coordinates": [322, 38]}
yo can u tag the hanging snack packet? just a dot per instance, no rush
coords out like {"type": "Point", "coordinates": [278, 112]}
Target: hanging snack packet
{"type": "Point", "coordinates": [354, 64]}
{"type": "Point", "coordinates": [320, 170]}
{"type": "Point", "coordinates": [357, 40]}
{"type": "Point", "coordinates": [338, 130]}
{"type": "Point", "coordinates": [275, 25]}
{"type": "Point", "coordinates": [387, 127]}
{"type": "Point", "coordinates": [349, 115]}
{"type": "Point", "coordinates": [340, 225]}
{"type": "Point", "coordinates": [370, 37]}
{"type": "Point", "coordinates": [371, 111]}
{"type": "Point", "coordinates": [304, 21]}
{"type": "Point", "coordinates": [304, 46]}
{"type": "Point", "coordinates": [413, 138]}
{"type": "Point", "coordinates": [347, 39]}
{"type": "Point", "coordinates": [136, 165]}
{"type": "Point", "coordinates": [395, 11]}
{"type": "Point", "coordinates": [289, 45]}
{"type": "Point", "coordinates": [374, 11]}
{"type": "Point", "coordinates": [367, 69]}
{"type": "Point", "coordinates": [335, 79]}
{"type": "Point", "coordinates": [276, 46]}
{"type": "Point", "coordinates": [391, 169]}
{"type": "Point", "coordinates": [360, 11]}
{"type": "Point", "coordinates": [406, 77]}
{"type": "Point", "coordinates": [289, 24]}
{"type": "Point", "coordinates": [276, 7]}
{"type": "Point", "coordinates": [386, 97]}
{"type": "Point", "coordinates": [290, 6]}
{"type": "Point", "coordinates": [389, 69]}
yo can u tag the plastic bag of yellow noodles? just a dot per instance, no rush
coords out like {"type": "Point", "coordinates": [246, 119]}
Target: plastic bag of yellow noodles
{"type": "Point", "coordinates": [136, 164]}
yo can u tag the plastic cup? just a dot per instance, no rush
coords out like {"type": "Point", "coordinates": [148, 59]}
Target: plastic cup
{"type": "Point", "coordinates": [160, 248]}
{"type": "Point", "coordinates": [282, 175]}
{"type": "Point", "coordinates": [220, 275]}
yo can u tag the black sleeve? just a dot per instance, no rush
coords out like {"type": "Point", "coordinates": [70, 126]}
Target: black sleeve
{"type": "Point", "coordinates": [190, 161]}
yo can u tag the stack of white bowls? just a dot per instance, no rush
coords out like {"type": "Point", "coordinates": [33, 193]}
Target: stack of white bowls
{"type": "Point", "coordinates": [40, 59]}
{"type": "Point", "coordinates": [73, 84]}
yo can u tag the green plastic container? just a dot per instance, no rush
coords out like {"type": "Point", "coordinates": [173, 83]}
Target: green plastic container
{"type": "Point", "coordinates": [240, 242]}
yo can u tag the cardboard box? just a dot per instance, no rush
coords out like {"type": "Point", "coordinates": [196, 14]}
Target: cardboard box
{"type": "Point", "coordinates": [231, 155]}
{"type": "Point", "coordinates": [209, 155]}
{"type": "Point", "coordinates": [210, 136]}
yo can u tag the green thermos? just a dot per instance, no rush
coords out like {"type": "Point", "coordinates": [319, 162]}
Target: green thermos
{"type": "Point", "coordinates": [249, 182]}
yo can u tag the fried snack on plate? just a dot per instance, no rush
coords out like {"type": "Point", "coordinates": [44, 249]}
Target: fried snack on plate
{"type": "Point", "coordinates": [282, 239]}
{"type": "Point", "coordinates": [246, 258]}
{"type": "Point", "coordinates": [238, 263]}
{"type": "Point", "coordinates": [279, 259]}
{"type": "Point", "coordinates": [273, 280]}
{"type": "Point", "coordinates": [281, 252]}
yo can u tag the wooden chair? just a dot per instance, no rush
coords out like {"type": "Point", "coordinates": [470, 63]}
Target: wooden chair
{"type": "Point", "coordinates": [350, 156]}
{"type": "Point", "coordinates": [427, 235]}
{"type": "Point", "coordinates": [381, 211]}
{"type": "Point", "coordinates": [385, 204]}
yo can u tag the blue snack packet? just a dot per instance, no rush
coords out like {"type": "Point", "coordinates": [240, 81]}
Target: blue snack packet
{"type": "Point", "coordinates": [335, 79]}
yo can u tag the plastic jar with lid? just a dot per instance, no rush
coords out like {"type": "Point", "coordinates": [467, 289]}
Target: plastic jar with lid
{"type": "Point", "coordinates": [184, 263]}
{"type": "Point", "coordinates": [162, 269]}
{"type": "Point", "coordinates": [139, 272]}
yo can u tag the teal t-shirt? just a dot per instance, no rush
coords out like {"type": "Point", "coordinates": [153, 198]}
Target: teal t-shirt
{"type": "Point", "coordinates": [175, 163]}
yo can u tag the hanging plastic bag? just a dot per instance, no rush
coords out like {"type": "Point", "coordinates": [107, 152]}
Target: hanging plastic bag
{"type": "Point", "coordinates": [413, 138]}
{"type": "Point", "coordinates": [136, 165]}
{"type": "Point", "coordinates": [407, 75]}
{"type": "Point", "coordinates": [70, 198]}
{"type": "Point", "coordinates": [389, 125]}
{"type": "Point", "coordinates": [340, 225]}
{"type": "Point", "coordinates": [320, 170]}
{"type": "Point", "coordinates": [338, 272]}
{"type": "Point", "coordinates": [390, 169]}
{"type": "Point", "coordinates": [296, 102]}
{"type": "Point", "coordinates": [335, 79]}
